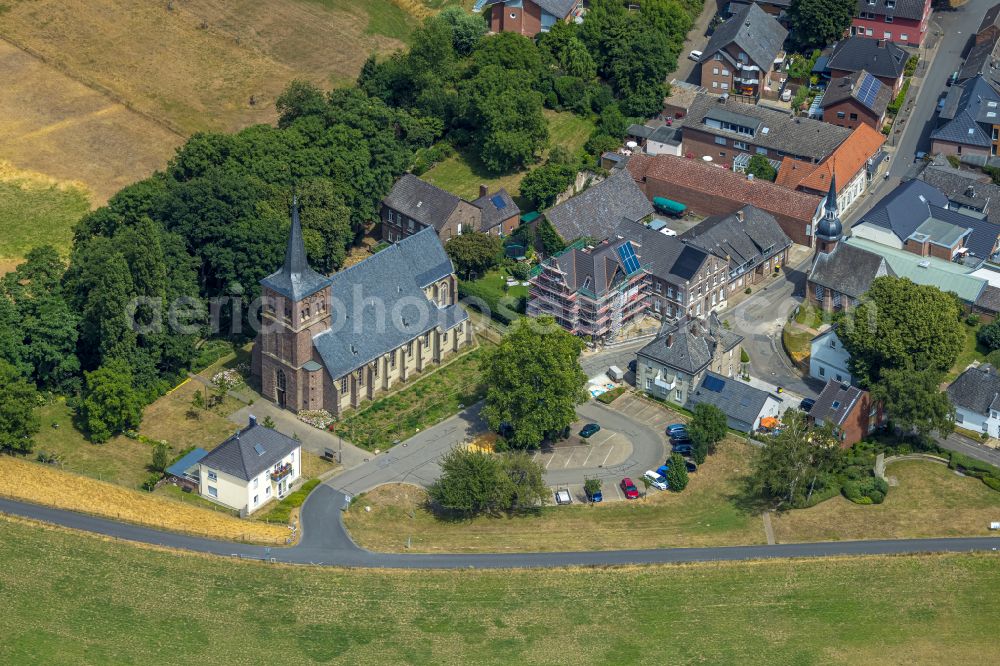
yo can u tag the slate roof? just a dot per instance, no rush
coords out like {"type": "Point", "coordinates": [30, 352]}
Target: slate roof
{"type": "Point", "coordinates": [909, 9]}
{"type": "Point", "coordinates": [666, 257]}
{"type": "Point", "coordinates": [848, 269]}
{"type": "Point", "coordinates": [497, 207]}
{"type": "Point", "coordinates": [250, 451]}
{"type": "Point", "coordinates": [754, 31]}
{"type": "Point", "coordinates": [421, 201]}
{"type": "Point", "coordinates": [641, 131]}
{"type": "Point", "coordinates": [598, 210]}
{"type": "Point", "coordinates": [849, 158]}
{"type": "Point", "coordinates": [979, 61]}
{"type": "Point", "coordinates": [723, 183]}
{"type": "Point", "coordinates": [692, 344]}
{"type": "Point", "coordinates": [836, 402]}
{"type": "Point", "coordinates": [849, 87]}
{"type": "Point", "coordinates": [977, 389]}
{"type": "Point", "coordinates": [741, 402]}
{"type": "Point", "coordinates": [914, 202]}
{"type": "Point", "coordinates": [970, 122]}
{"type": "Point", "coordinates": [877, 56]}
{"type": "Point", "coordinates": [296, 279]}
{"type": "Point", "coordinates": [394, 308]}
{"type": "Point", "coordinates": [990, 18]}
{"type": "Point", "coordinates": [775, 130]}
{"type": "Point", "coordinates": [989, 299]}
{"type": "Point", "coordinates": [596, 271]}
{"type": "Point", "coordinates": [559, 8]}
{"type": "Point", "coordinates": [754, 239]}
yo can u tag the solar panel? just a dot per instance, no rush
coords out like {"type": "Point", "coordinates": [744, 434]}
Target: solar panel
{"type": "Point", "coordinates": [629, 260]}
{"type": "Point", "coordinates": [868, 90]}
{"type": "Point", "coordinates": [714, 384]}
{"type": "Point", "coordinates": [498, 201]}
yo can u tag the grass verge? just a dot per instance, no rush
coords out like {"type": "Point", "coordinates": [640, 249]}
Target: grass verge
{"type": "Point", "coordinates": [40, 484]}
{"type": "Point", "coordinates": [72, 598]}
{"type": "Point", "coordinates": [930, 501]}
{"type": "Point", "coordinates": [703, 515]}
{"type": "Point", "coordinates": [282, 511]}
{"type": "Point", "coordinates": [427, 400]}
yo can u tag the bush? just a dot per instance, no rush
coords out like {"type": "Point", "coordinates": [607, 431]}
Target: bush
{"type": "Point", "coordinates": [993, 482]}
{"type": "Point", "coordinates": [911, 65]}
{"type": "Point", "coordinates": [519, 271]}
{"type": "Point", "coordinates": [149, 484]}
{"type": "Point", "coordinates": [283, 511]}
{"type": "Point", "coordinates": [747, 290]}
{"type": "Point", "coordinates": [677, 476]}
{"type": "Point", "coordinates": [610, 396]}
{"type": "Point", "coordinates": [868, 490]}
{"type": "Point", "coordinates": [972, 320]}
{"type": "Point", "coordinates": [989, 336]}
{"type": "Point", "coordinates": [971, 466]}
{"type": "Point", "coordinates": [896, 104]}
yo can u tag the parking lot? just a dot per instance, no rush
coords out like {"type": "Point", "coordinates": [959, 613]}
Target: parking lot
{"type": "Point", "coordinates": [604, 456]}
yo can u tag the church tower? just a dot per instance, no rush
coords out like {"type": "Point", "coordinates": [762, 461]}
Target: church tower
{"type": "Point", "coordinates": [295, 306]}
{"type": "Point", "coordinates": [829, 231]}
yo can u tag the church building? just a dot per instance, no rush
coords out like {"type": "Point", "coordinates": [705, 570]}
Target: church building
{"type": "Point", "coordinates": [333, 342]}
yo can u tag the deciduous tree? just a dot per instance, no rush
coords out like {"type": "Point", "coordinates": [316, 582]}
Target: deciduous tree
{"type": "Point", "coordinates": [110, 404]}
{"type": "Point", "coordinates": [707, 428]}
{"type": "Point", "coordinates": [534, 381]}
{"type": "Point", "coordinates": [794, 463]}
{"type": "Point", "coordinates": [914, 401]}
{"type": "Point", "coordinates": [677, 475]}
{"type": "Point", "coordinates": [760, 167]}
{"type": "Point", "coordinates": [543, 184]}
{"type": "Point", "coordinates": [816, 23]}
{"type": "Point", "coordinates": [474, 252]}
{"type": "Point", "coordinates": [18, 399]}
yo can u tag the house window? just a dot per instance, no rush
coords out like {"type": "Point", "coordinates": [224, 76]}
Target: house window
{"type": "Point", "coordinates": [427, 339]}
{"type": "Point", "coordinates": [444, 337]}
{"type": "Point", "coordinates": [854, 116]}
{"type": "Point", "coordinates": [212, 476]}
{"type": "Point", "coordinates": [256, 483]}
{"type": "Point", "coordinates": [836, 299]}
{"type": "Point", "coordinates": [267, 490]}
{"type": "Point", "coordinates": [820, 293]}
{"type": "Point", "coordinates": [839, 378]}
{"type": "Point", "coordinates": [343, 385]}
{"type": "Point", "coordinates": [375, 369]}
{"type": "Point", "coordinates": [361, 378]}
{"type": "Point", "coordinates": [725, 72]}
{"type": "Point", "coordinates": [409, 348]}
{"type": "Point", "coordinates": [868, 32]}
{"type": "Point", "coordinates": [822, 371]}
{"type": "Point", "coordinates": [888, 19]}
{"type": "Point", "coordinates": [213, 491]}
{"type": "Point", "coordinates": [722, 153]}
{"type": "Point", "coordinates": [392, 359]}
{"type": "Point", "coordinates": [718, 56]}
{"type": "Point", "coordinates": [725, 86]}
{"type": "Point", "coordinates": [740, 145]}
{"type": "Point", "coordinates": [677, 395]}
{"type": "Point", "coordinates": [715, 84]}
{"type": "Point", "coordinates": [256, 499]}
{"type": "Point", "coordinates": [715, 70]}
{"type": "Point", "coordinates": [841, 115]}
{"type": "Point", "coordinates": [649, 383]}
{"type": "Point", "coordinates": [761, 151]}
{"type": "Point", "coordinates": [904, 38]}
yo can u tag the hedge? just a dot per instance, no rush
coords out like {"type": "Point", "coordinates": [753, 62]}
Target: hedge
{"type": "Point", "coordinates": [492, 298]}
{"type": "Point", "coordinates": [608, 397]}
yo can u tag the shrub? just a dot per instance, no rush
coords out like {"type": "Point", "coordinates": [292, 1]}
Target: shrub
{"type": "Point", "coordinates": [677, 476]}
{"type": "Point", "coordinates": [520, 271]}
{"type": "Point", "coordinates": [972, 320]}
{"type": "Point", "coordinates": [149, 484]}
{"type": "Point", "coordinates": [610, 396]}
{"type": "Point", "coordinates": [867, 490]}
{"type": "Point", "coordinates": [747, 290]}
{"type": "Point", "coordinates": [993, 482]}
{"type": "Point", "coordinates": [989, 336]}
{"type": "Point", "coordinates": [896, 104]}
{"type": "Point", "coordinates": [911, 65]}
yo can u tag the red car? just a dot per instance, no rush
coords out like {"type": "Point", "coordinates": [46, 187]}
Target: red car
{"type": "Point", "coordinates": [631, 492]}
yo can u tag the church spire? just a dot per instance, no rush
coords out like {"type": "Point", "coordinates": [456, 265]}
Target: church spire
{"type": "Point", "coordinates": [296, 279]}
{"type": "Point", "coordinates": [829, 230]}
{"type": "Point", "coordinates": [831, 197]}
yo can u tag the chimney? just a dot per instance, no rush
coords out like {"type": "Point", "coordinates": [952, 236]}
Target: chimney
{"type": "Point", "coordinates": [484, 190]}
{"type": "Point", "coordinates": [252, 420]}
{"type": "Point", "coordinates": [670, 340]}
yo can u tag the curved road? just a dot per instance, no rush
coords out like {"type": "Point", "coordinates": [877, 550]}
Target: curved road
{"type": "Point", "coordinates": [326, 542]}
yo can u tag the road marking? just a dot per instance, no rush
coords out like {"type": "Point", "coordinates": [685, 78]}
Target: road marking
{"type": "Point", "coordinates": [551, 458]}
{"type": "Point", "coordinates": [589, 453]}
{"type": "Point", "coordinates": [569, 458]}
{"type": "Point", "coordinates": [608, 456]}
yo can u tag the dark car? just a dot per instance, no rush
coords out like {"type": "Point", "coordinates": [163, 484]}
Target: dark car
{"type": "Point", "coordinates": [690, 466]}
{"type": "Point", "coordinates": [589, 430]}
{"type": "Point", "coordinates": [683, 449]}
{"type": "Point", "coordinates": [632, 365]}
{"type": "Point", "coordinates": [676, 427]}
{"type": "Point", "coordinates": [806, 404]}
{"type": "Point", "coordinates": [680, 439]}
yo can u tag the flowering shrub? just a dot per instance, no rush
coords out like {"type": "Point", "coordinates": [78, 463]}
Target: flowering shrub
{"type": "Point", "coordinates": [228, 378]}
{"type": "Point", "coordinates": [318, 418]}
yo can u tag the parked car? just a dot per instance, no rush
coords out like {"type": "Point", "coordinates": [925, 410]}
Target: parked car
{"type": "Point", "coordinates": [695, 55]}
{"type": "Point", "coordinates": [663, 469]}
{"type": "Point", "coordinates": [676, 427]}
{"type": "Point", "coordinates": [594, 496]}
{"type": "Point", "coordinates": [631, 492]}
{"type": "Point", "coordinates": [632, 365]}
{"type": "Point", "coordinates": [589, 430]}
{"type": "Point", "coordinates": [683, 449]}
{"type": "Point", "coordinates": [806, 404]}
{"type": "Point", "coordinates": [690, 466]}
{"type": "Point", "coordinates": [680, 439]}
{"type": "Point", "coordinates": [940, 104]}
{"type": "Point", "coordinates": [657, 481]}
{"type": "Point", "coordinates": [563, 497]}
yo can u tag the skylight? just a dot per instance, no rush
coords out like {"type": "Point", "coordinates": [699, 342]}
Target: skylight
{"type": "Point", "coordinates": [259, 449]}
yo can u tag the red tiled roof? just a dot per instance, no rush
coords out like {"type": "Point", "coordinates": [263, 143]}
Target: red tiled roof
{"type": "Point", "coordinates": [845, 161]}
{"type": "Point", "coordinates": [716, 181]}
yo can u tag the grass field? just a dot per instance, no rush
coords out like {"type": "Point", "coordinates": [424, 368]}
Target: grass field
{"type": "Point", "coordinates": [703, 515]}
{"type": "Point", "coordinates": [43, 484]}
{"type": "Point", "coordinates": [971, 351]}
{"type": "Point", "coordinates": [463, 173]}
{"type": "Point", "coordinates": [71, 598]}
{"type": "Point", "coordinates": [930, 501]}
{"type": "Point", "coordinates": [425, 401]}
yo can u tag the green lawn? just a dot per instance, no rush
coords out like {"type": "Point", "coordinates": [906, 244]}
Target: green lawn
{"type": "Point", "coordinates": [463, 173]}
{"type": "Point", "coordinates": [971, 351]}
{"type": "Point", "coordinates": [33, 214]}
{"type": "Point", "coordinates": [427, 400]}
{"type": "Point", "coordinates": [72, 598]}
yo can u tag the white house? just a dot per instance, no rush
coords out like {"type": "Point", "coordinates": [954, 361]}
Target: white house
{"type": "Point", "coordinates": [828, 359]}
{"type": "Point", "coordinates": [250, 468]}
{"type": "Point", "coordinates": [976, 396]}
{"type": "Point", "coordinates": [743, 405]}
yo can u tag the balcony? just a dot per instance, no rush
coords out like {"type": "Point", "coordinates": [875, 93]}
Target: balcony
{"type": "Point", "coordinates": [278, 473]}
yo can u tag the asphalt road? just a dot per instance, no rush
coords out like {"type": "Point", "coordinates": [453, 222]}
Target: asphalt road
{"type": "Point", "coordinates": [971, 448]}
{"type": "Point", "coordinates": [956, 27]}
{"type": "Point", "coordinates": [326, 542]}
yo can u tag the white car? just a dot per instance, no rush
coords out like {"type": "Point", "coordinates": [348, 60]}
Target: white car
{"type": "Point", "coordinates": [695, 55]}
{"type": "Point", "coordinates": [655, 480]}
{"type": "Point", "coordinates": [563, 497]}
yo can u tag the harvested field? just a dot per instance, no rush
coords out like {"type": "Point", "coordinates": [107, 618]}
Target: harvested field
{"type": "Point", "coordinates": [40, 484]}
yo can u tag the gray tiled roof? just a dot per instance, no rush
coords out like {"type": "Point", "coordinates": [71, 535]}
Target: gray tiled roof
{"type": "Point", "coordinates": [559, 8]}
{"type": "Point", "coordinates": [393, 308]}
{"type": "Point", "coordinates": [979, 61]}
{"type": "Point", "coordinates": [752, 29]}
{"type": "Point", "coordinates": [910, 9]}
{"type": "Point", "coordinates": [296, 279]}
{"type": "Point", "coordinates": [249, 452]}
{"type": "Point", "coordinates": [759, 235]}
{"type": "Point", "coordinates": [848, 269]}
{"type": "Point", "coordinates": [494, 214]}
{"type": "Point", "coordinates": [641, 131]}
{"type": "Point", "coordinates": [848, 87]}
{"type": "Point", "coordinates": [692, 344]}
{"type": "Point", "coordinates": [989, 299]}
{"type": "Point", "coordinates": [972, 118]}
{"type": "Point", "coordinates": [421, 201]}
{"type": "Point", "coordinates": [666, 257]}
{"type": "Point", "coordinates": [877, 56]}
{"type": "Point", "coordinates": [844, 396]}
{"type": "Point", "coordinates": [803, 137]}
{"type": "Point", "coordinates": [741, 402]}
{"type": "Point", "coordinates": [597, 211]}
{"type": "Point", "coordinates": [595, 271]}
{"type": "Point", "coordinates": [914, 202]}
{"type": "Point", "coordinates": [990, 18]}
{"type": "Point", "coordinates": [977, 389]}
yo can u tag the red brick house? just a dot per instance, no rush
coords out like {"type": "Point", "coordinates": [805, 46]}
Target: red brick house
{"type": "Point", "coordinates": [851, 412]}
{"type": "Point", "coordinates": [879, 57]}
{"type": "Point", "coordinates": [527, 17]}
{"type": "Point", "coordinates": [858, 99]}
{"type": "Point", "coordinates": [741, 56]}
{"type": "Point", "coordinates": [902, 21]}
{"type": "Point", "coordinates": [711, 190]}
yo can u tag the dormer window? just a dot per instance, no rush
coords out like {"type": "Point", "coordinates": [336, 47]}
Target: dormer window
{"type": "Point", "coordinates": [890, 4]}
